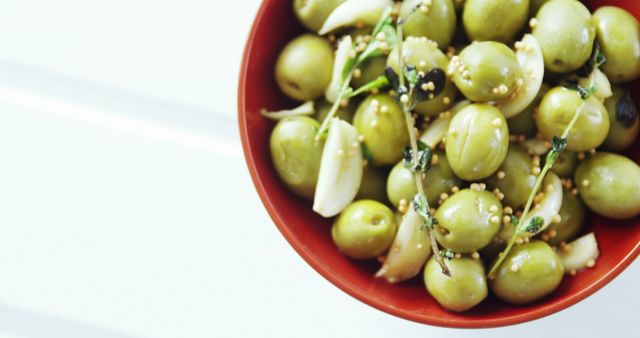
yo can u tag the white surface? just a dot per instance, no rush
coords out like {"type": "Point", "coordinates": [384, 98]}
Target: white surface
{"type": "Point", "coordinates": [127, 210]}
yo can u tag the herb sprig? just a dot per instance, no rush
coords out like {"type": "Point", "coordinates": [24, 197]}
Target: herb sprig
{"type": "Point", "coordinates": [559, 144]}
{"type": "Point", "coordinates": [408, 83]}
{"type": "Point", "coordinates": [383, 39]}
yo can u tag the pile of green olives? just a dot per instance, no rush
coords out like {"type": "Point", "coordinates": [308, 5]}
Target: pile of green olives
{"type": "Point", "coordinates": [559, 69]}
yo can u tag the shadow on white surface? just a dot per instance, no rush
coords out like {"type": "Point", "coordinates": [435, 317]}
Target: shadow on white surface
{"type": "Point", "coordinates": [21, 323]}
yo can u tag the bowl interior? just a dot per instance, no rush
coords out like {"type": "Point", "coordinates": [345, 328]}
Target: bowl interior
{"type": "Point", "coordinates": [309, 233]}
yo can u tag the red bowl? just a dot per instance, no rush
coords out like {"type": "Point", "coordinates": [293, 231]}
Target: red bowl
{"type": "Point", "coordinates": [309, 234]}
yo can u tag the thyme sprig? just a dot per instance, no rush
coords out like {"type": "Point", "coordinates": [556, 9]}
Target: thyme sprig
{"type": "Point", "coordinates": [417, 156]}
{"type": "Point", "coordinates": [383, 39]}
{"type": "Point", "coordinates": [535, 224]}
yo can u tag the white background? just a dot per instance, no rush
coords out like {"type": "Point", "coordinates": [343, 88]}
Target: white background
{"type": "Point", "coordinates": [125, 206]}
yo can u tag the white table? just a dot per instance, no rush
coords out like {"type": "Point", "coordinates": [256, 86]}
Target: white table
{"type": "Point", "coordinates": [127, 210]}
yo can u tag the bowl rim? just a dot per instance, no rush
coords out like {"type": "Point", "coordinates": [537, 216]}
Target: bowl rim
{"type": "Point", "coordinates": [371, 301]}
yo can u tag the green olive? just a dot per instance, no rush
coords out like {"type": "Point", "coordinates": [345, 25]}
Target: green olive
{"type": "Point", "coordinates": [464, 289]}
{"type": "Point", "coordinates": [618, 33]}
{"type": "Point", "coordinates": [364, 230]}
{"type": "Point", "coordinates": [565, 31]}
{"type": "Point", "coordinates": [304, 67]}
{"type": "Point", "coordinates": [494, 20]}
{"type": "Point", "coordinates": [477, 141]}
{"type": "Point", "coordinates": [610, 185]}
{"type": "Point", "coordinates": [369, 71]}
{"type": "Point", "coordinates": [373, 185]}
{"type": "Point", "coordinates": [295, 154]}
{"type": "Point", "coordinates": [623, 116]}
{"type": "Point", "coordinates": [523, 123]}
{"type": "Point", "coordinates": [535, 6]}
{"type": "Point", "coordinates": [425, 56]}
{"type": "Point", "coordinates": [486, 71]}
{"type": "Point", "coordinates": [438, 22]}
{"type": "Point", "coordinates": [468, 220]}
{"type": "Point", "coordinates": [566, 164]}
{"type": "Point", "coordinates": [313, 13]}
{"type": "Point", "coordinates": [572, 215]}
{"type": "Point", "coordinates": [323, 107]}
{"type": "Point", "coordinates": [518, 180]}
{"type": "Point", "coordinates": [558, 108]}
{"type": "Point", "coordinates": [530, 272]}
{"type": "Point", "coordinates": [438, 179]}
{"type": "Point", "coordinates": [382, 123]}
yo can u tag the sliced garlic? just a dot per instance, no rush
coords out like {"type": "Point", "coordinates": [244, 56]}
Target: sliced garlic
{"type": "Point", "coordinates": [352, 12]}
{"type": "Point", "coordinates": [340, 170]}
{"type": "Point", "coordinates": [549, 207]}
{"type": "Point", "coordinates": [345, 47]}
{"type": "Point", "coordinates": [532, 63]}
{"type": "Point", "coordinates": [409, 251]}
{"type": "Point", "coordinates": [306, 108]}
{"type": "Point", "coordinates": [550, 204]}
{"type": "Point", "coordinates": [582, 251]}
{"type": "Point", "coordinates": [438, 129]}
{"type": "Point", "coordinates": [598, 80]}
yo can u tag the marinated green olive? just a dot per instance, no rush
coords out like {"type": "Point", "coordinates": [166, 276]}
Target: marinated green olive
{"type": "Point", "coordinates": [494, 20]}
{"type": "Point", "coordinates": [344, 113]}
{"type": "Point", "coordinates": [425, 56]}
{"type": "Point", "coordinates": [530, 272]}
{"type": "Point", "coordinates": [364, 230]}
{"type": "Point", "coordinates": [304, 67]}
{"type": "Point", "coordinates": [295, 154]}
{"type": "Point", "coordinates": [468, 220]}
{"type": "Point", "coordinates": [486, 71]}
{"type": "Point", "coordinates": [381, 122]}
{"type": "Point", "coordinates": [618, 33]}
{"type": "Point", "coordinates": [437, 22]}
{"type": "Point", "coordinates": [369, 71]}
{"type": "Point", "coordinates": [373, 185]}
{"type": "Point", "coordinates": [514, 178]}
{"type": "Point", "coordinates": [523, 123]}
{"type": "Point", "coordinates": [609, 184]}
{"type": "Point", "coordinates": [558, 108]}
{"type": "Point", "coordinates": [313, 13]}
{"type": "Point", "coordinates": [464, 289]}
{"type": "Point", "coordinates": [439, 179]}
{"type": "Point", "coordinates": [623, 116]}
{"type": "Point", "coordinates": [572, 215]}
{"type": "Point", "coordinates": [566, 164]}
{"type": "Point", "coordinates": [565, 31]}
{"type": "Point", "coordinates": [477, 141]}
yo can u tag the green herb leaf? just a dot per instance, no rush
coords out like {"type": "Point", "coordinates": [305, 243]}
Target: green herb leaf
{"type": "Point", "coordinates": [596, 60]}
{"type": "Point", "coordinates": [448, 254]}
{"type": "Point", "coordinates": [421, 207]}
{"type": "Point", "coordinates": [513, 220]}
{"type": "Point", "coordinates": [534, 225]}
{"type": "Point", "coordinates": [366, 153]}
{"type": "Point", "coordinates": [423, 161]}
{"type": "Point", "coordinates": [584, 92]}
{"type": "Point", "coordinates": [411, 74]}
{"type": "Point", "coordinates": [558, 145]}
